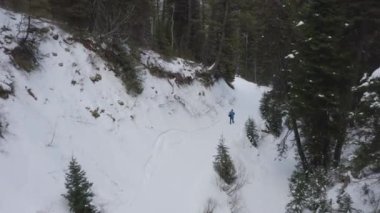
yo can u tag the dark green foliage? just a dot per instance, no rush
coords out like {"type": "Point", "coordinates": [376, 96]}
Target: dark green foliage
{"type": "Point", "coordinates": [223, 40]}
{"type": "Point", "coordinates": [76, 13]}
{"type": "Point", "coordinates": [6, 92]}
{"type": "Point", "coordinates": [368, 119]}
{"type": "Point", "coordinates": [123, 66]}
{"type": "Point", "coordinates": [79, 194]}
{"type": "Point", "coordinates": [363, 32]}
{"type": "Point", "coordinates": [345, 203]}
{"type": "Point", "coordinates": [96, 78]}
{"type": "Point", "coordinates": [1, 130]}
{"type": "Point", "coordinates": [24, 56]}
{"type": "Point", "coordinates": [179, 78]}
{"type": "Point", "coordinates": [187, 29]}
{"type": "Point", "coordinates": [162, 41]}
{"type": "Point", "coordinates": [223, 164]}
{"type": "Point", "coordinates": [367, 157]}
{"type": "Point", "coordinates": [106, 20]}
{"type": "Point", "coordinates": [3, 126]}
{"type": "Point", "coordinates": [308, 192]}
{"type": "Point", "coordinates": [39, 8]}
{"type": "Point", "coordinates": [320, 80]}
{"type": "Point", "coordinates": [266, 37]}
{"type": "Point", "coordinates": [205, 78]}
{"type": "Point", "coordinates": [138, 29]}
{"type": "Point", "coordinates": [251, 132]}
{"type": "Point", "coordinates": [271, 112]}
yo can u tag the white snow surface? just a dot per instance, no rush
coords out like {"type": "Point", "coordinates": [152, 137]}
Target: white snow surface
{"type": "Point", "coordinates": [375, 74]}
{"type": "Point", "coordinates": [300, 23]}
{"type": "Point", "coordinates": [291, 56]}
{"type": "Point", "coordinates": [147, 154]}
{"type": "Point", "coordinates": [361, 200]}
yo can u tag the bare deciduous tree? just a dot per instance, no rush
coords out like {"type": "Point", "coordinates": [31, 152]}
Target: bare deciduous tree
{"type": "Point", "coordinates": [110, 19]}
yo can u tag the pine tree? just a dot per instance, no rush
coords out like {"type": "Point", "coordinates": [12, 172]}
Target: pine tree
{"type": "Point", "coordinates": [223, 164]}
{"type": "Point", "coordinates": [308, 192]}
{"type": "Point", "coordinates": [367, 120]}
{"type": "Point", "coordinates": [320, 80]}
{"type": "Point", "coordinates": [79, 194]}
{"type": "Point", "coordinates": [251, 132]}
{"type": "Point", "coordinates": [345, 203]}
{"type": "Point", "coordinates": [272, 113]}
{"type": "Point", "coordinates": [223, 39]}
{"type": "Point", "coordinates": [187, 28]}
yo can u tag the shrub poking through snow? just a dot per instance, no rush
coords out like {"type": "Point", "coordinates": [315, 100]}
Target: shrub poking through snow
{"type": "Point", "coordinates": [251, 132]}
{"type": "Point", "coordinates": [6, 87]}
{"type": "Point", "coordinates": [2, 128]}
{"type": "Point", "coordinates": [24, 56]}
{"type": "Point", "coordinates": [96, 78]}
{"type": "Point", "coordinates": [223, 164]}
{"type": "Point", "coordinates": [79, 194]}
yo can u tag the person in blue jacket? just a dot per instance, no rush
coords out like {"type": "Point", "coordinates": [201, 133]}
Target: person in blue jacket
{"type": "Point", "coordinates": [231, 114]}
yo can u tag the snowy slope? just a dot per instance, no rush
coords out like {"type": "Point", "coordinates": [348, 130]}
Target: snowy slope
{"type": "Point", "coordinates": [147, 154]}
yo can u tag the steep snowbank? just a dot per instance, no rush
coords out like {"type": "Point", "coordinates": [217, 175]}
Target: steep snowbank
{"type": "Point", "coordinates": [148, 154]}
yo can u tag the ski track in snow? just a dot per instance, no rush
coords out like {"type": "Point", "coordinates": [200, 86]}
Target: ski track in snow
{"type": "Point", "coordinates": [157, 150]}
{"type": "Point", "coordinates": [160, 143]}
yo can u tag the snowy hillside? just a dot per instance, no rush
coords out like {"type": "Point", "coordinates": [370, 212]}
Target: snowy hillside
{"type": "Point", "coordinates": [147, 154]}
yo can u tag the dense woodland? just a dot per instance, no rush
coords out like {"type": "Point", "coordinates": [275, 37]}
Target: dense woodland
{"type": "Point", "coordinates": [313, 54]}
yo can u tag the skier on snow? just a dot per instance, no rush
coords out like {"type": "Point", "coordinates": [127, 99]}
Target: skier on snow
{"type": "Point", "coordinates": [231, 114]}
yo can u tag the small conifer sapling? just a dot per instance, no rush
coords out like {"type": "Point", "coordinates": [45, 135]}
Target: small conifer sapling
{"type": "Point", "coordinates": [223, 164]}
{"type": "Point", "coordinates": [79, 194]}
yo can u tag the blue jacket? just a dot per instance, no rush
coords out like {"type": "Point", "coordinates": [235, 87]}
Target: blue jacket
{"type": "Point", "coordinates": [231, 114]}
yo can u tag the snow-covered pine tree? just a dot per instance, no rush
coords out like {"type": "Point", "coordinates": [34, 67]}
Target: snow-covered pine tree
{"type": "Point", "coordinates": [224, 165]}
{"type": "Point", "coordinates": [367, 119]}
{"type": "Point", "coordinates": [308, 192]}
{"type": "Point", "coordinates": [345, 203]}
{"type": "Point", "coordinates": [251, 132]}
{"type": "Point", "coordinates": [79, 194]}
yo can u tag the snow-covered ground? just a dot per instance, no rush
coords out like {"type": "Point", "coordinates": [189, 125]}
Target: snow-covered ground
{"type": "Point", "coordinates": [147, 154]}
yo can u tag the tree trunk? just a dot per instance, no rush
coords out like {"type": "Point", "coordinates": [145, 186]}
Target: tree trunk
{"type": "Point", "coordinates": [157, 12]}
{"type": "Point", "coordinates": [297, 137]}
{"type": "Point", "coordinates": [163, 13]}
{"type": "Point", "coordinates": [222, 37]}
{"type": "Point", "coordinates": [341, 137]}
{"type": "Point", "coordinates": [338, 151]}
{"type": "Point", "coordinates": [23, 41]}
{"type": "Point", "coordinates": [203, 14]}
{"type": "Point", "coordinates": [172, 28]}
{"type": "Point", "coordinates": [189, 23]}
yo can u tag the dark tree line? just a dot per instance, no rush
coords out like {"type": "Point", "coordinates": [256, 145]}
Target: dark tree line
{"type": "Point", "coordinates": [311, 52]}
{"type": "Point", "coordinates": [332, 44]}
{"type": "Point", "coordinates": [243, 37]}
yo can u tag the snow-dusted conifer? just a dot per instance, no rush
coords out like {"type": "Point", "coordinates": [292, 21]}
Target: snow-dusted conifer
{"type": "Point", "coordinates": [79, 194]}
{"type": "Point", "coordinates": [345, 203]}
{"type": "Point", "coordinates": [251, 132]}
{"type": "Point", "coordinates": [271, 111]}
{"type": "Point", "coordinates": [308, 192]}
{"type": "Point", "coordinates": [223, 164]}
